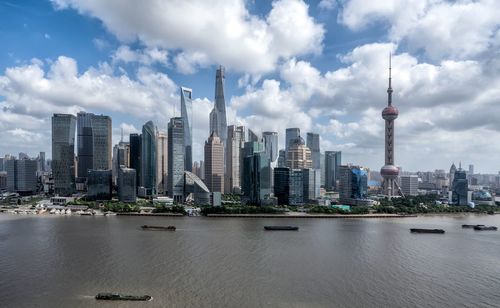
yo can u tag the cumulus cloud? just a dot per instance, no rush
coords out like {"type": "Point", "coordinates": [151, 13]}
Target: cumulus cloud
{"type": "Point", "coordinates": [145, 56]}
{"type": "Point", "coordinates": [441, 28]}
{"type": "Point", "coordinates": [212, 32]}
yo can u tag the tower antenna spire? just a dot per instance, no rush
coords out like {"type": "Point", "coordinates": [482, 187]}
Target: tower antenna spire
{"type": "Point", "coordinates": [389, 90]}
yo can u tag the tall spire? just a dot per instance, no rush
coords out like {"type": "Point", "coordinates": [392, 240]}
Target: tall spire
{"type": "Point", "coordinates": [389, 90]}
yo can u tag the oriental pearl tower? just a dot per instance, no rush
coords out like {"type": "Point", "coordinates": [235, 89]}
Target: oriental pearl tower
{"type": "Point", "coordinates": [389, 171]}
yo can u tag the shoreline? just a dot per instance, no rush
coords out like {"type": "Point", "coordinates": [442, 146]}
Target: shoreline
{"type": "Point", "coordinates": [345, 216]}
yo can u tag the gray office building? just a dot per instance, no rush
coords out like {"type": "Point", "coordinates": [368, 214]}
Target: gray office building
{"type": "Point", "coordinates": [99, 184]}
{"type": "Point", "coordinates": [187, 116]}
{"type": "Point", "coordinates": [353, 186]}
{"type": "Point", "coordinates": [235, 143]}
{"type": "Point", "coordinates": [409, 185]}
{"type": "Point", "coordinates": [127, 187]}
{"type": "Point", "coordinates": [290, 135]}
{"type": "Point", "coordinates": [311, 184]}
{"type": "Point", "coordinates": [93, 143]}
{"type": "Point", "coordinates": [41, 162]}
{"type": "Point", "coordinates": [282, 159]}
{"type": "Point", "coordinates": [460, 187]}
{"type": "Point", "coordinates": [176, 159]}
{"type": "Point", "coordinates": [21, 175]}
{"type": "Point", "coordinates": [148, 159]}
{"type": "Point", "coordinates": [270, 140]}
{"type": "Point", "coordinates": [63, 153]}
{"type": "Point", "coordinates": [296, 195]}
{"type": "Point", "coordinates": [313, 144]}
{"type": "Point", "coordinates": [256, 179]}
{"type": "Point", "coordinates": [333, 160]}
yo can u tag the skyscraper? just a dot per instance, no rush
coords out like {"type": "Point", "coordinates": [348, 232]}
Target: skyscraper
{"type": "Point", "coordinates": [296, 194]}
{"type": "Point", "coordinates": [85, 149]}
{"type": "Point", "coordinates": [218, 121]}
{"type": "Point", "coordinates": [101, 141]}
{"type": "Point", "coordinates": [21, 175]}
{"type": "Point", "coordinates": [270, 140]}
{"type": "Point", "coordinates": [187, 116]}
{"type": "Point", "coordinates": [389, 171]}
{"type": "Point", "coordinates": [290, 135]}
{"type": "Point", "coordinates": [214, 163]}
{"type": "Point", "coordinates": [176, 162]}
{"type": "Point", "coordinates": [162, 161]}
{"type": "Point", "coordinates": [256, 176]}
{"type": "Point", "coordinates": [127, 187]}
{"type": "Point", "coordinates": [41, 162]}
{"type": "Point", "coordinates": [251, 136]}
{"type": "Point", "coordinates": [313, 144]}
{"type": "Point", "coordinates": [353, 185]}
{"type": "Point", "coordinates": [121, 155]}
{"type": "Point", "coordinates": [148, 159]}
{"type": "Point", "coordinates": [298, 155]}
{"type": "Point", "coordinates": [282, 185]}
{"type": "Point", "coordinates": [460, 187]}
{"type": "Point", "coordinates": [333, 160]}
{"type": "Point", "coordinates": [63, 153]}
{"type": "Point", "coordinates": [93, 143]}
{"type": "Point", "coordinates": [471, 170]}
{"type": "Point", "coordinates": [282, 159]}
{"type": "Point", "coordinates": [135, 156]}
{"type": "Point", "coordinates": [409, 185]}
{"type": "Point", "coordinates": [235, 143]}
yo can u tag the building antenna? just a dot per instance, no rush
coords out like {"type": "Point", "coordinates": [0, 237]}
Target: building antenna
{"type": "Point", "coordinates": [121, 140]}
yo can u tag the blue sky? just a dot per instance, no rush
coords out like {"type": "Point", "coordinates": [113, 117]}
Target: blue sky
{"type": "Point", "coordinates": [317, 65]}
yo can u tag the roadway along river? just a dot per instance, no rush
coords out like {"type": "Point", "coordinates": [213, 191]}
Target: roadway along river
{"type": "Point", "coordinates": [54, 261]}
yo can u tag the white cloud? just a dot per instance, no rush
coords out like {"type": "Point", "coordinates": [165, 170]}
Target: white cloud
{"type": "Point", "coordinates": [146, 56]}
{"type": "Point", "coordinates": [221, 31]}
{"type": "Point", "coordinates": [327, 4]}
{"type": "Point", "coordinates": [455, 29]}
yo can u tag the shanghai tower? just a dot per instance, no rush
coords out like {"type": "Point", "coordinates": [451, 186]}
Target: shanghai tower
{"type": "Point", "coordinates": [218, 122]}
{"type": "Point", "coordinates": [389, 171]}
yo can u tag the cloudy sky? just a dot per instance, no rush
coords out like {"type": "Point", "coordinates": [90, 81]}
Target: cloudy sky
{"type": "Point", "coordinates": [317, 65]}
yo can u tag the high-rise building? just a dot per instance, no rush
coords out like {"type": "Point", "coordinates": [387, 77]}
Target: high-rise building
{"type": "Point", "coordinates": [148, 159]}
{"type": "Point", "coordinates": [176, 159]}
{"type": "Point", "coordinates": [101, 140]}
{"type": "Point", "coordinates": [251, 136]}
{"type": "Point", "coordinates": [214, 163]}
{"type": "Point", "coordinates": [389, 171]}
{"type": "Point", "coordinates": [298, 155]}
{"type": "Point", "coordinates": [296, 194]}
{"type": "Point", "coordinates": [353, 187]}
{"type": "Point", "coordinates": [127, 187]}
{"type": "Point", "coordinates": [23, 155]}
{"type": "Point", "coordinates": [282, 185]}
{"type": "Point", "coordinates": [311, 184]}
{"type": "Point", "coordinates": [235, 143]}
{"type": "Point", "coordinates": [85, 149]}
{"type": "Point", "coordinates": [21, 175]}
{"type": "Point", "coordinates": [313, 144]}
{"type": "Point", "coordinates": [187, 116]}
{"type": "Point", "coordinates": [99, 183]}
{"type": "Point", "coordinates": [471, 170]}
{"type": "Point", "coordinates": [282, 159]}
{"type": "Point", "coordinates": [256, 176]}
{"type": "Point", "coordinates": [409, 185]}
{"type": "Point", "coordinates": [290, 135]}
{"type": "Point", "coordinates": [218, 121]}
{"type": "Point", "coordinates": [121, 156]}
{"type": "Point", "coordinates": [322, 169]}
{"type": "Point", "coordinates": [162, 162]}
{"type": "Point", "coordinates": [94, 143]}
{"type": "Point", "coordinates": [333, 160]}
{"type": "Point", "coordinates": [1, 164]}
{"type": "Point", "coordinates": [41, 162]}
{"type": "Point", "coordinates": [460, 187]}
{"type": "Point", "coordinates": [270, 140]}
{"type": "Point", "coordinates": [135, 156]}
{"type": "Point", "coordinates": [63, 153]}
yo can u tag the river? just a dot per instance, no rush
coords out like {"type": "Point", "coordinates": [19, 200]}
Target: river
{"type": "Point", "coordinates": [57, 261]}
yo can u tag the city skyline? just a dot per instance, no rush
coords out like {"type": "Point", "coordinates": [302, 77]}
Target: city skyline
{"type": "Point", "coordinates": [445, 93]}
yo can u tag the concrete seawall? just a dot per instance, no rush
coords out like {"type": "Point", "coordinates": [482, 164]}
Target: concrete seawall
{"type": "Point", "coordinates": [311, 216]}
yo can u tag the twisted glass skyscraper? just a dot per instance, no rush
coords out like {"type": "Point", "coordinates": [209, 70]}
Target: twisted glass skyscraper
{"type": "Point", "coordinates": [218, 121]}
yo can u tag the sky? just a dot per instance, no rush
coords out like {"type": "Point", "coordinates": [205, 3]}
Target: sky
{"type": "Point", "coordinates": [320, 65]}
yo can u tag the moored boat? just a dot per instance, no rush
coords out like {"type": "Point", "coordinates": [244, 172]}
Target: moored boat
{"type": "Point", "coordinates": [470, 226]}
{"type": "Point", "coordinates": [120, 297]}
{"type": "Point", "coordinates": [485, 228]}
{"type": "Point", "coordinates": [158, 228]}
{"type": "Point", "coordinates": [416, 230]}
{"type": "Point", "coordinates": [281, 228]}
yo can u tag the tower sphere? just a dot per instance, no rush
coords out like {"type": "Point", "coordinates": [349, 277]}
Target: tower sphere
{"type": "Point", "coordinates": [389, 171]}
{"type": "Point", "coordinates": [390, 113]}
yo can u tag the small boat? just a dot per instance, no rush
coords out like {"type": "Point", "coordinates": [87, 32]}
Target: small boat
{"type": "Point", "coordinates": [439, 231]}
{"type": "Point", "coordinates": [281, 228]}
{"type": "Point", "coordinates": [120, 297]}
{"type": "Point", "coordinates": [158, 228]}
{"type": "Point", "coordinates": [470, 226]}
{"type": "Point", "coordinates": [485, 228]}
